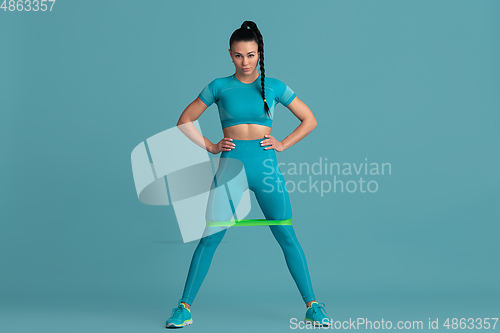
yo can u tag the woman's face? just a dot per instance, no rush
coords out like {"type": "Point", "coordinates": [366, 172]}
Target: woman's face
{"type": "Point", "coordinates": [245, 57]}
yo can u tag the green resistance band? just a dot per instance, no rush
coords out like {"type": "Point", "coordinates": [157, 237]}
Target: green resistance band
{"type": "Point", "coordinates": [248, 222]}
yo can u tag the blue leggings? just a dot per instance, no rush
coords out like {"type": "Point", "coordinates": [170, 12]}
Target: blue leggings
{"type": "Point", "coordinates": [263, 177]}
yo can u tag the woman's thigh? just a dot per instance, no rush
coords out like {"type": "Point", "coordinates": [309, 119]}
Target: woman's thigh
{"type": "Point", "coordinates": [227, 188]}
{"type": "Point", "coordinates": [268, 184]}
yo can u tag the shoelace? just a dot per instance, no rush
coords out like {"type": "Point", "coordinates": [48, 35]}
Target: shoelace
{"type": "Point", "coordinates": [320, 308]}
{"type": "Point", "coordinates": [176, 311]}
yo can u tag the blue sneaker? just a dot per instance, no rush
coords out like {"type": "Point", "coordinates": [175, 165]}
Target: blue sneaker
{"type": "Point", "coordinates": [315, 315]}
{"type": "Point", "coordinates": [180, 317]}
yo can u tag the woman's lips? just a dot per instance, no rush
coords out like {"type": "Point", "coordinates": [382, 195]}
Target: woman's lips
{"type": "Point", "coordinates": [246, 69]}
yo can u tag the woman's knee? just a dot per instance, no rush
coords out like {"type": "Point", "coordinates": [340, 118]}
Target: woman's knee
{"type": "Point", "coordinates": [215, 237]}
{"type": "Point", "coordinates": [284, 235]}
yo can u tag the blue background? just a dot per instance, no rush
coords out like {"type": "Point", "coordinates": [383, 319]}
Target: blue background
{"type": "Point", "coordinates": [410, 83]}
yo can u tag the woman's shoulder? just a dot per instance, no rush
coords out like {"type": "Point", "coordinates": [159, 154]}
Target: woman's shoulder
{"type": "Point", "coordinates": [275, 83]}
{"type": "Point", "coordinates": [220, 82]}
{"type": "Point", "coordinates": [273, 80]}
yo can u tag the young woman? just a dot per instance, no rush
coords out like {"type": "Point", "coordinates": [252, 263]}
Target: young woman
{"type": "Point", "coordinates": [246, 102]}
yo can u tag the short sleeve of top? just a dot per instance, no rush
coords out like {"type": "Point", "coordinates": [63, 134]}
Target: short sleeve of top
{"type": "Point", "coordinates": [285, 93]}
{"type": "Point", "coordinates": [242, 103]}
{"type": "Point", "coordinates": [209, 95]}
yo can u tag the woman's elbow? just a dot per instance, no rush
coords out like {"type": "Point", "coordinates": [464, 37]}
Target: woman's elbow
{"type": "Point", "coordinates": [183, 119]}
{"type": "Point", "coordinates": [313, 122]}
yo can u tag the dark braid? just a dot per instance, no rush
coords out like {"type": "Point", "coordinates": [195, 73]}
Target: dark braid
{"type": "Point", "coordinates": [248, 32]}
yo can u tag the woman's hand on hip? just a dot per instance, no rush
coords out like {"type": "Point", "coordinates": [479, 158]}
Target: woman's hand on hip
{"type": "Point", "coordinates": [272, 143]}
{"type": "Point", "coordinates": [223, 145]}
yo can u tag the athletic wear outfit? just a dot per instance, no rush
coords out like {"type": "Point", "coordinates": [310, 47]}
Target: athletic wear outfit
{"type": "Point", "coordinates": [242, 103]}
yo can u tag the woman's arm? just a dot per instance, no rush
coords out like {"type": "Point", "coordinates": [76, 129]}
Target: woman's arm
{"type": "Point", "coordinates": [188, 116]}
{"type": "Point", "coordinates": [308, 122]}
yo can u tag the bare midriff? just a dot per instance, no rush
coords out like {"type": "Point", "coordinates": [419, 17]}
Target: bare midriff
{"type": "Point", "coordinates": [246, 131]}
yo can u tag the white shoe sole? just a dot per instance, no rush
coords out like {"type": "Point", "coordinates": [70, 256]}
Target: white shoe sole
{"type": "Point", "coordinates": [175, 326]}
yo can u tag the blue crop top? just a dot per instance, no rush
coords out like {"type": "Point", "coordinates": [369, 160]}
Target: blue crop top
{"type": "Point", "coordinates": [242, 103]}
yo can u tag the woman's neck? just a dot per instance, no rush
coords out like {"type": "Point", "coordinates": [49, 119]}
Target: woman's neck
{"type": "Point", "coordinates": [248, 79]}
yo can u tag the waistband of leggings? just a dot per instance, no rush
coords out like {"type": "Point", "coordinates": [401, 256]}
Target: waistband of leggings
{"type": "Point", "coordinates": [248, 148]}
